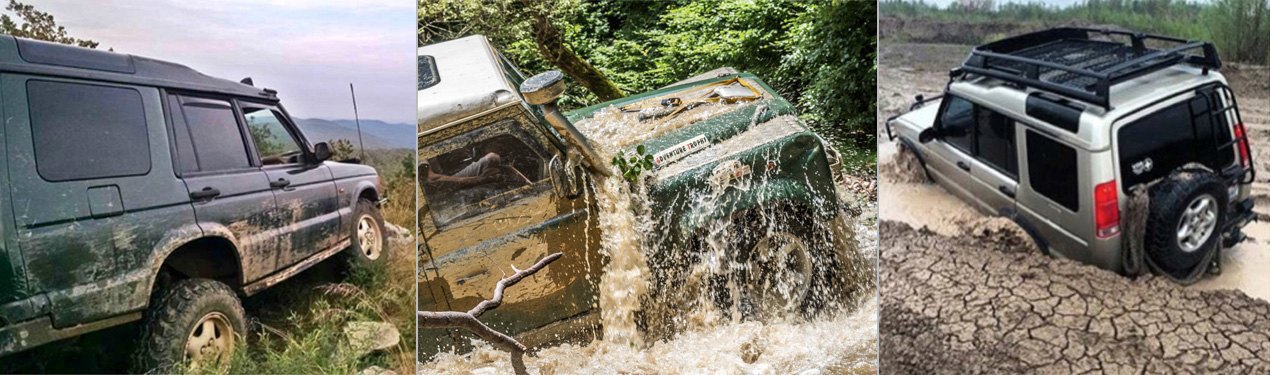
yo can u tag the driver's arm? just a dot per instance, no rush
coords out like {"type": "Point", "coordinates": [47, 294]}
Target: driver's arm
{"type": "Point", "coordinates": [436, 178]}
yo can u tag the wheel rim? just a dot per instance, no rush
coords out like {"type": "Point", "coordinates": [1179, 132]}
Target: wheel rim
{"type": "Point", "coordinates": [210, 342]}
{"type": "Point", "coordinates": [1197, 223]}
{"type": "Point", "coordinates": [368, 238]}
{"type": "Point", "coordinates": [784, 273]}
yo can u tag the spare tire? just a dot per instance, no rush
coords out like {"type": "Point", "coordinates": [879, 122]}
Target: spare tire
{"type": "Point", "coordinates": [1187, 212]}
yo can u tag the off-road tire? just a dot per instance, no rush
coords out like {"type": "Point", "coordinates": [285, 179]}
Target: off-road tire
{"type": "Point", "coordinates": [1169, 200]}
{"type": "Point", "coordinates": [167, 324]}
{"type": "Point", "coordinates": [355, 255]}
{"type": "Point", "coordinates": [753, 227]}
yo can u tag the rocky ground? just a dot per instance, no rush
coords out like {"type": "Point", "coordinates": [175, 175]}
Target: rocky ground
{"type": "Point", "coordinates": [966, 293]}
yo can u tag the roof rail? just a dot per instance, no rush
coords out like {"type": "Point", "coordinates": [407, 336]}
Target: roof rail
{"type": "Point", "coordinates": [1066, 61]}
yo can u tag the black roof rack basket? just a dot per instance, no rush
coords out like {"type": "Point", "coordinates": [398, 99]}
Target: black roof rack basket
{"type": "Point", "coordinates": [1067, 61]}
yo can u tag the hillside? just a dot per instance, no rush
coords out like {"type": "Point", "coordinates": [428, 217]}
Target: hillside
{"type": "Point", "coordinates": [377, 134]}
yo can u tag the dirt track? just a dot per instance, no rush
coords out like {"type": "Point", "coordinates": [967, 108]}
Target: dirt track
{"type": "Point", "coordinates": [969, 294]}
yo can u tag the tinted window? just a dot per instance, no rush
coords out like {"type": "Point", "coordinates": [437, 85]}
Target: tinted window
{"type": "Point", "coordinates": [274, 142]}
{"type": "Point", "coordinates": [958, 123]}
{"type": "Point", "coordinates": [479, 178]}
{"type": "Point", "coordinates": [995, 141]}
{"type": "Point", "coordinates": [1158, 143]}
{"type": "Point", "coordinates": [1051, 170]}
{"type": "Point", "coordinates": [87, 131]}
{"type": "Point", "coordinates": [218, 142]}
{"type": "Point", "coordinates": [186, 161]}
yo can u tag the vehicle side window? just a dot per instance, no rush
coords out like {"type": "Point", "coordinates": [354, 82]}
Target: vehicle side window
{"type": "Point", "coordinates": [479, 177]}
{"type": "Point", "coordinates": [1158, 143]}
{"type": "Point", "coordinates": [274, 143]}
{"type": "Point", "coordinates": [958, 123]}
{"type": "Point", "coordinates": [214, 134]}
{"type": "Point", "coordinates": [1052, 170]}
{"type": "Point", "coordinates": [83, 131]}
{"type": "Point", "coordinates": [994, 143]}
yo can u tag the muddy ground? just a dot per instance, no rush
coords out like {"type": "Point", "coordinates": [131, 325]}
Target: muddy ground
{"type": "Point", "coordinates": [966, 293]}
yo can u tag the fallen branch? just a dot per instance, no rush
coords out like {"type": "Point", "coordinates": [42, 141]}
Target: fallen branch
{"type": "Point", "coordinates": [468, 320]}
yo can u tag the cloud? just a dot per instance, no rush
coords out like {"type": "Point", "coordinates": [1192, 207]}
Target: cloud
{"type": "Point", "coordinates": [308, 50]}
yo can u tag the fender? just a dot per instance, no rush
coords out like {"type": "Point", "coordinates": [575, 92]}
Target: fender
{"type": "Point", "coordinates": [1028, 227]}
{"type": "Point", "coordinates": [183, 235]}
{"type": "Point", "coordinates": [734, 200]}
{"type": "Point", "coordinates": [921, 159]}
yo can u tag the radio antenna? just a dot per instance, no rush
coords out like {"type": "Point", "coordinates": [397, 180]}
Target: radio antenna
{"type": "Point", "coordinates": [357, 119]}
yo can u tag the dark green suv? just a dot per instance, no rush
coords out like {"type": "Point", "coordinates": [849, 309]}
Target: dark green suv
{"type": "Point", "coordinates": [137, 189]}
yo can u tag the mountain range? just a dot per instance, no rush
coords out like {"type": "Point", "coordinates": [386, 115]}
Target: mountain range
{"type": "Point", "coordinates": [377, 135]}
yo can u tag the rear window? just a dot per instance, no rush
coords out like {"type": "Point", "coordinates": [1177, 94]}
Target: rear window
{"type": "Point", "coordinates": [214, 132]}
{"type": "Point", "coordinates": [85, 131]}
{"type": "Point", "coordinates": [1155, 145]}
{"type": "Point", "coordinates": [1051, 170]}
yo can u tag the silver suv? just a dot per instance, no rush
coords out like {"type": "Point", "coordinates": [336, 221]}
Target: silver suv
{"type": "Point", "coordinates": [1061, 129]}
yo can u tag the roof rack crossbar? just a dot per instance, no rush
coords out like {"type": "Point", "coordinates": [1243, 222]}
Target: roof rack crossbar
{"type": "Point", "coordinates": [1066, 61]}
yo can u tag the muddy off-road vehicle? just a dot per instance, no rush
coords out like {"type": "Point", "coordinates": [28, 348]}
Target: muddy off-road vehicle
{"type": "Point", "coordinates": [138, 189]}
{"type": "Point", "coordinates": [506, 179]}
{"type": "Point", "coordinates": [1064, 130]}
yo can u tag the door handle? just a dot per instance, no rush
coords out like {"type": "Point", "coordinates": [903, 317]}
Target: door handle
{"type": "Point", "coordinates": [1006, 190]}
{"type": "Point", "coordinates": [280, 183]}
{"type": "Point", "coordinates": [963, 166]}
{"type": "Point", "coordinates": [207, 192]}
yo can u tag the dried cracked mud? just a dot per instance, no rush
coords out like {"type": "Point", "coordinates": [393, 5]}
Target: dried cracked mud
{"type": "Point", "coordinates": [986, 301]}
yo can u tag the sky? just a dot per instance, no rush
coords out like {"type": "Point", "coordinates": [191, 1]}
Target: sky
{"type": "Point", "coordinates": [307, 50]}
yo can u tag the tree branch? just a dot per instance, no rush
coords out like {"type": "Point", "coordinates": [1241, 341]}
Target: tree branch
{"type": "Point", "coordinates": [468, 320]}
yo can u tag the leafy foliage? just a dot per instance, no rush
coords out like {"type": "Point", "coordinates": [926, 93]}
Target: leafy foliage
{"type": "Point", "coordinates": [37, 25]}
{"type": "Point", "coordinates": [342, 149]}
{"type": "Point", "coordinates": [819, 55]}
{"type": "Point", "coordinates": [635, 164]}
{"type": "Point", "coordinates": [1239, 28]}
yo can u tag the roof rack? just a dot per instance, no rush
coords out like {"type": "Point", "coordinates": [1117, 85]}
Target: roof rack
{"type": "Point", "coordinates": [1068, 62]}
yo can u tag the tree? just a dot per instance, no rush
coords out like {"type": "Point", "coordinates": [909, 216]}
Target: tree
{"type": "Point", "coordinates": [38, 25]}
{"type": "Point", "coordinates": [342, 149]}
{"type": "Point", "coordinates": [507, 22]}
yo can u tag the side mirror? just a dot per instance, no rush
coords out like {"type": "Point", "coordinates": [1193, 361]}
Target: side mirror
{"type": "Point", "coordinates": [928, 135]}
{"type": "Point", "coordinates": [566, 177]}
{"type": "Point", "coordinates": [322, 152]}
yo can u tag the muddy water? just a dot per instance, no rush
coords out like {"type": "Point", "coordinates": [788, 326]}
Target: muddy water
{"type": "Point", "coordinates": [701, 340]}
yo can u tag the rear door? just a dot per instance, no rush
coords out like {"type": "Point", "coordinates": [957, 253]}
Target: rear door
{"type": "Point", "coordinates": [978, 154]}
{"type": "Point", "coordinates": [308, 208]}
{"type": "Point", "coordinates": [230, 190]}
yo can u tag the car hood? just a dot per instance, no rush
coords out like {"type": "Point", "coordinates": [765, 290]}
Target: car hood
{"type": "Point", "coordinates": [617, 127]}
{"type": "Point", "coordinates": [343, 170]}
{"type": "Point", "coordinates": [920, 118]}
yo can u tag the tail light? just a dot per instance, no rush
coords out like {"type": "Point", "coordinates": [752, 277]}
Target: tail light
{"type": "Point", "coordinates": [1106, 210]}
{"type": "Point", "coordinates": [1244, 158]}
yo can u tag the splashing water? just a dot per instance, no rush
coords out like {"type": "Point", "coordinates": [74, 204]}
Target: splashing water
{"type": "Point", "coordinates": [685, 327]}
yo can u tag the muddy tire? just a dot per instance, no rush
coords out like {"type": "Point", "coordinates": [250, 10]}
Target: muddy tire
{"type": "Point", "coordinates": [789, 264]}
{"type": "Point", "coordinates": [1186, 214]}
{"type": "Point", "coordinates": [370, 241]}
{"type": "Point", "coordinates": [193, 324]}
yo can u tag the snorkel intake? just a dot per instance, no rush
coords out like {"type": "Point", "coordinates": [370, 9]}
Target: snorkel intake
{"type": "Point", "coordinates": [543, 90]}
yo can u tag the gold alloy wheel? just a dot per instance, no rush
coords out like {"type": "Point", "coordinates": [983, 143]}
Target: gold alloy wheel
{"type": "Point", "coordinates": [211, 341]}
{"type": "Point", "coordinates": [368, 237]}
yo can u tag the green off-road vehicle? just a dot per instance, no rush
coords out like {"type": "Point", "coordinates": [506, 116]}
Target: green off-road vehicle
{"type": "Point", "coordinates": [137, 189]}
{"type": "Point", "coordinates": [738, 186]}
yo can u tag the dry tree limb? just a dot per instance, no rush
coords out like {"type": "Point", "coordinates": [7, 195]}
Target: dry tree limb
{"type": "Point", "coordinates": [468, 320]}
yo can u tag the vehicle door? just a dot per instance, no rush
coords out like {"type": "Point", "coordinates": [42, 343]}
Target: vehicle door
{"type": "Point", "coordinates": [231, 192]}
{"type": "Point", "coordinates": [485, 214]}
{"type": "Point", "coordinates": [308, 205]}
{"type": "Point", "coordinates": [996, 170]}
{"type": "Point", "coordinates": [91, 188]}
{"type": "Point", "coordinates": [951, 155]}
